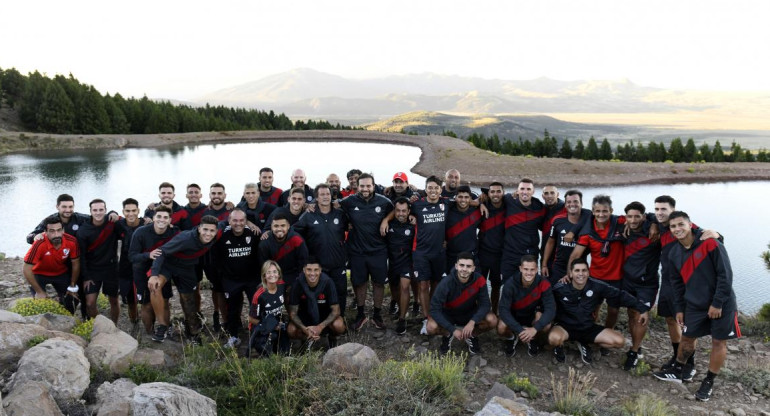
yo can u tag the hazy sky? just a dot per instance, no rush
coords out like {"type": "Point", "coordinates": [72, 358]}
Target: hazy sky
{"type": "Point", "coordinates": [184, 49]}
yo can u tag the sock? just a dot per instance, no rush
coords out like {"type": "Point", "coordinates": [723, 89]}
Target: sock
{"type": "Point", "coordinates": [377, 311]}
{"type": "Point", "coordinates": [710, 376]}
{"type": "Point", "coordinates": [691, 360]}
{"type": "Point", "coordinates": [360, 310]}
{"type": "Point", "coordinates": [676, 348]}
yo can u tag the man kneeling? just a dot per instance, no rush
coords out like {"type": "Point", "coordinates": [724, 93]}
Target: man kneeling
{"type": "Point", "coordinates": [313, 306]}
{"type": "Point", "coordinates": [460, 307]}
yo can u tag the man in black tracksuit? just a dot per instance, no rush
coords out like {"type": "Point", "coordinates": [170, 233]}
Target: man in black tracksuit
{"type": "Point", "coordinates": [704, 300]}
{"type": "Point", "coordinates": [526, 308]}
{"type": "Point", "coordinates": [126, 227]}
{"type": "Point", "coordinates": [524, 217]}
{"type": "Point", "coordinates": [286, 247]}
{"type": "Point", "coordinates": [257, 211]}
{"type": "Point", "coordinates": [98, 240]}
{"type": "Point", "coordinates": [400, 238]}
{"type": "Point", "coordinates": [491, 234]}
{"type": "Point", "coordinates": [575, 305]}
{"type": "Point", "coordinates": [460, 306]}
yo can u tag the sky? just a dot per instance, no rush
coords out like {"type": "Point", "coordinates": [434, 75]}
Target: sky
{"type": "Point", "coordinates": [185, 49]}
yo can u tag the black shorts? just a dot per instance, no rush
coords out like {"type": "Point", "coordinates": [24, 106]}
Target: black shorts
{"type": "Point", "coordinates": [400, 270]}
{"type": "Point", "coordinates": [427, 268]}
{"type": "Point", "coordinates": [143, 292]}
{"type": "Point", "coordinates": [213, 276]}
{"type": "Point", "coordinates": [584, 336]}
{"type": "Point", "coordinates": [231, 287]}
{"type": "Point", "coordinates": [525, 320]}
{"type": "Point", "coordinates": [184, 278]}
{"type": "Point", "coordinates": [556, 273]}
{"type": "Point", "coordinates": [698, 324]}
{"type": "Point", "coordinates": [490, 268]}
{"type": "Point", "coordinates": [104, 280]}
{"type": "Point", "coordinates": [126, 285]}
{"type": "Point", "coordinates": [666, 300]}
{"type": "Point", "coordinates": [645, 293]}
{"type": "Point", "coordinates": [614, 302]}
{"type": "Point", "coordinates": [60, 283]}
{"type": "Point", "coordinates": [364, 265]}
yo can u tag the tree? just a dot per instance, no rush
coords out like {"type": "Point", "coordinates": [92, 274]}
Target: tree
{"type": "Point", "coordinates": [690, 151]}
{"type": "Point", "coordinates": [717, 154]}
{"type": "Point", "coordinates": [56, 113]}
{"type": "Point", "coordinates": [92, 117]}
{"type": "Point", "coordinates": [13, 86]}
{"type": "Point", "coordinates": [676, 150]}
{"type": "Point", "coordinates": [118, 121]}
{"type": "Point", "coordinates": [579, 150]}
{"type": "Point", "coordinates": [704, 153]}
{"type": "Point", "coordinates": [605, 151]}
{"type": "Point", "coordinates": [592, 150]}
{"type": "Point", "coordinates": [642, 155]}
{"type": "Point", "coordinates": [32, 98]}
{"type": "Point", "coordinates": [566, 150]}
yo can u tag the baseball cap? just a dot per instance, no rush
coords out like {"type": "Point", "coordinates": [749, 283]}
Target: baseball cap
{"type": "Point", "coordinates": [401, 176]}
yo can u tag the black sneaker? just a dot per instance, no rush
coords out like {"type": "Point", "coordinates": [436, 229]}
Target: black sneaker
{"type": "Point", "coordinates": [688, 372]}
{"type": "Point", "coordinates": [585, 353]}
{"type": "Point", "coordinates": [604, 351]}
{"type": "Point", "coordinates": [378, 322]}
{"type": "Point", "coordinates": [673, 374]}
{"type": "Point", "coordinates": [632, 359]}
{"type": "Point", "coordinates": [196, 340]}
{"type": "Point", "coordinates": [393, 310]}
{"type": "Point", "coordinates": [446, 344]}
{"type": "Point", "coordinates": [533, 348]}
{"type": "Point", "coordinates": [704, 392]}
{"type": "Point", "coordinates": [160, 333]}
{"type": "Point", "coordinates": [473, 345]}
{"type": "Point", "coordinates": [359, 323]}
{"type": "Point", "coordinates": [401, 327]}
{"type": "Point", "coordinates": [669, 364]}
{"type": "Point", "coordinates": [216, 323]}
{"type": "Point", "coordinates": [558, 354]}
{"type": "Point", "coordinates": [510, 346]}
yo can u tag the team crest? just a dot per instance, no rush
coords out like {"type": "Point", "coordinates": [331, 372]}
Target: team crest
{"type": "Point", "coordinates": [75, 227]}
{"type": "Point", "coordinates": [281, 298]}
{"type": "Point", "coordinates": [66, 252]}
{"type": "Point", "coordinates": [441, 206]}
{"type": "Point", "coordinates": [377, 209]}
{"type": "Point", "coordinates": [590, 293]}
{"type": "Point", "coordinates": [407, 232]}
{"type": "Point", "coordinates": [309, 198]}
{"type": "Point", "coordinates": [248, 239]}
{"type": "Point", "coordinates": [336, 221]}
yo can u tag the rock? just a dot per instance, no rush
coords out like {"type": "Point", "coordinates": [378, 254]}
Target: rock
{"type": "Point", "coordinates": [114, 399]}
{"type": "Point", "coordinates": [500, 390]}
{"type": "Point", "coordinates": [351, 358]}
{"type": "Point", "coordinates": [733, 348]}
{"type": "Point", "coordinates": [52, 321]}
{"type": "Point", "coordinates": [102, 324]}
{"type": "Point", "coordinates": [7, 316]}
{"type": "Point", "coordinates": [31, 398]}
{"type": "Point", "coordinates": [112, 350]}
{"type": "Point", "coordinates": [737, 412]}
{"type": "Point", "coordinates": [156, 399]}
{"type": "Point", "coordinates": [151, 358]}
{"type": "Point", "coordinates": [492, 371]}
{"type": "Point", "coordinates": [475, 363]}
{"type": "Point", "coordinates": [15, 336]}
{"type": "Point", "coordinates": [58, 363]}
{"type": "Point", "coordinates": [499, 406]}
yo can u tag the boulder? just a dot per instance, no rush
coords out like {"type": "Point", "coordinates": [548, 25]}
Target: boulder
{"type": "Point", "coordinates": [500, 390]}
{"type": "Point", "coordinates": [112, 350]}
{"type": "Point", "coordinates": [53, 321]}
{"type": "Point", "coordinates": [155, 399]}
{"type": "Point", "coordinates": [32, 398]}
{"type": "Point", "coordinates": [103, 325]}
{"type": "Point", "coordinates": [351, 358]}
{"type": "Point", "coordinates": [14, 337]}
{"type": "Point", "coordinates": [58, 363]}
{"type": "Point", "coordinates": [7, 316]}
{"type": "Point", "coordinates": [114, 399]}
{"type": "Point", "coordinates": [499, 406]}
{"type": "Point", "coordinates": [151, 358]}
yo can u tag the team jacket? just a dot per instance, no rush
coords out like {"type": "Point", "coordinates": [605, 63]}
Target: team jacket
{"type": "Point", "coordinates": [178, 214]}
{"type": "Point", "coordinates": [98, 245]}
{"type": "Point", "coordinates": [522, 225]}
{"type": "Point", "coordinates": [366, 216]}
{"type": "Point", "coordinates": [125, 232]}
{"type": "Point", "coordinates": [282, 210]}
{"type": "Point", "coordinates": [145, 240]}
{"type": "Point", "coordinates": [193, 216]}
{"type": "Point", "coordinates": [48, 261]}
{"type": "Point", "coordinates": [283, 200]}
{"type": "Point", "coordinates": [272, 197]}
{"type": "Point", "coordinates": [71, 228]}
{"type": "Point", "coordinates": [400, 238]}
{"type": "Point", "coordinates": [518, 302]}
{"type": "Point", "coordinates": [454, 303]}
{"type": "Point", "coordinates": [324, 235]}
{"type": "Point", "coordinates": [574, 308]}
{"type": "Point", "coordinates": [430, 229]}
{"type": "Point", "coordinates": [641, 258]}
{"type": "Point", "coordinates": [461, 230]}
{"type": "Point", "coordinates": [291, 254]}
{"type": "Point", "coordinates": [259, 214]}
{"type": "Point", "coordinates": [667, 242]}
{"type": "Point", "coordinates": [606, 248]}
{"type": "Point", "coordinates": [235, 256]}
{"type": "Point", "coordinates": [184, 250]}
{"type": "Point", "coordinates": [265, 303]}
{"type": "Point", "coordinates": [407, 194]}
{"type": "Point", "coordinates": [222, 214]}
{"type": "Point", "coordinates": [492, 232]}
{"type": "Point", "coordinates": [701, 276]}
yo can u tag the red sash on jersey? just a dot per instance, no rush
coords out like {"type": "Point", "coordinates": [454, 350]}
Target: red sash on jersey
{"type": "Point", "coordinates": [696, 257]}
{"type": "Point", "coordinates": [466, 294]}
{"type": "Point", "coordinates": [463, 225]}
{"type": "Point", "coordinates": [103, 236]}
{"type": "Point", "coordinates": [288, 247]}
{"type": "Point", "coordinates": [532, 296]}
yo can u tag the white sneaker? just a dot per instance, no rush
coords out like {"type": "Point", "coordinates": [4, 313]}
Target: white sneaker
{"type": "Point", "coordinates": [424, 330]}
{"type": "Point", "coordinates": [233, 342]}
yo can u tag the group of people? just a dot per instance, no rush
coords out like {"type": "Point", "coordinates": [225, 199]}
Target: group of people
{"type": "Point", "coordinates": [499, 261]}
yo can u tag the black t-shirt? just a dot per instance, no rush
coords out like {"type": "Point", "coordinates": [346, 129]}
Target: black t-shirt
{"type": "Point", "coordinates": [265, 303]}
{"type": "Point", "coordinates": [325, 299]}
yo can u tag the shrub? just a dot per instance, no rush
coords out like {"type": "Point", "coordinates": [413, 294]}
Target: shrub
{"type": "Point", "coordinates": [32, 306]}
{"type": "Point", "coordinates": [84, 329]}
{"type": "Point", "coordinates": [764, 313]}
{"type": "Point", "coordinates": [754, 374]}
{"type": "Point", "coordinates": [572, 398]}
{"type": "Point", "coordinates": [518, 384]}
{"type": "Point", "coordinates": [142, 373]}
{"type": "Point", "coordinates": [429, 373]}
{"type": "Point", "coordinates": [647, 405]}
{"type": "Point", "coordinates": [102, 302]}
{"type": "Point", "coordinates": [37, 339]}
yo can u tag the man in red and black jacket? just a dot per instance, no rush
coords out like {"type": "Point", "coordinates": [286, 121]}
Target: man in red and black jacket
{"type": "Point", "coordinates": [460, 306]}
{"type": "Point", "coordinates": [267, 192]}
{"type": "Point", "coordinates": [462, 222]}
{"type": "Point", "coordinates": [285, 247]}
{"type": "Point", "coordinates": [524, 217]}
{"type": "Point", "coordinates": [98, 241]}
{"type": "Point", "coordinates": [526, 308]}
{"type": "Point", "coordinates": [491, 234]}
{"type": "Point", "coordinates": [166, 193]}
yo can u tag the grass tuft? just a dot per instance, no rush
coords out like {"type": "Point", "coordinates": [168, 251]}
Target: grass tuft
{"type": "Point", "coordinates": [572, 398]}
{"type": "Point", "coordinates": [647, 405]}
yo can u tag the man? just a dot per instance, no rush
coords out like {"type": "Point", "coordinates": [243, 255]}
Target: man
{"type": "Point", "coordinates": [524, 217]}
{"type": "Point", "coordinates": [462, 222]}
{"type": "Point", "coordinates": [284, 246]}
{"type": "Point", "coordinates": [367, 249]}
{"type": "Point", "coordinates": [704, 300]}
{"type": "Point", "coordinates": [401, 188]}
{"type": "Point", "coordinates": [491, 234]}
{"type": "Point", "coordinates": [256, 209]}
{"type": "Point", "coordinates": [194, 207]}
{"type": "Point", "coordinates": [218, 208]}
{"type": "Point", "coordinates": [451, 182]}
{"type": "Point", "coordinates": [65, 212]}
{"type": "Point", "coordinates": [526, 308]}
{"type": "Point", "coordinates": [334, 186]}
{"type": "Point", "coordinates": [553, 207]}
{"type": "Point", "coordinates": [126, 227]}
{"type": "Point", "coordinates": [460, 307]}
{"type": "Point", "coordinates": [98, 241]}
{"type": "Point", "coordinates": [324, 232]}
{"type": "Point", "coordinates": [234, 257]}
{"type": "Point", "coordinates": [352, 187]}
{"type": "Point", "coordinates": [641, 258]}
{"type": "Point", "coordinates": [267, 192]}
{"type": "Point", "coordinates": [143, 250]}
{"type": "Point", "coordinates": [561, 236]}
{"type": "Point", "coordinates": [313, 307]}
{"type": "Point", "coordinates": [297, 182]}
{"type": "Point", "coordinates": [177, 262]}
{"type": "Point", "coordinates": [292, 210]}
{"type": "Point", "coordinates": [576, 302]}
{"type": "Point", "coordinates": [400, 238]}
{"type": "Point", "coordinates": [166, 193]}
{"type": "Point", "coordinates": [55, 260]}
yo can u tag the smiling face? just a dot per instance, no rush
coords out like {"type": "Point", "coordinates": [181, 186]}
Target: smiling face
{"type": "Point", "coordinates": [525, 191]}
{"type": "Point", "coordinates": [166, 195]}
{"type": "Point", "coordinates": [550, 195]}
{"type": "Point", "coordinates": [207, 232]}
{"type": "Point", "coordinates": [334, 182]}
{"type": "Point", "coordinates": [496, 194]}
{"type": "Point", "coordinates": [298, 179]}
{"type": "Point", "coordinates": [432, 191]}
{"type": "Point", "coordinates": [399, 186]}
{"type": "Point", "coordinates": [573, 204]}
{"type": "Point", "coordinates": [366, 188]}
{"type": "Point", "coordinates": [193, 195]}
{"type": "Point", "coordinates": [452, 180]}
{"type": "Point", "coordinates": [602, 213]}
{"type": "Point", "coordinates": [65, 210]}
{"type": "Point", "coordinates": [237, 222]}
{"type": "Point", "coordinates": [463, 200]}
{"type": "Point", "coordinates": [634, 219]}
{"type": "Point", "coordinates": [266, 180]}
{"type": "Point", "coordinates": [579, 275]}
{"type": "Point", "coordinates": [161, 221]}
{"type": "Point", "coordinates": [312, 273]}
{"type": "Point", "coordinates": [401, 211]}
{"type": "Point", "coordinates": [324, 198]}
{"type": "Point", "coordinates": [528, 271]}
{"type": "Point", "coordinates": [465, 269]}
{"type": "Point", "coordinates": [272, 275]}
{"type": "Point", "coordinates": [98, 211]}
{"type": "Point", "coordinates": [131, 213]}
{"type": "Point", "coordinates": [662, 211]}
{"type": "Point", "coordinates": [680, 228]}
{"type": "Point", "coordinates": [250, 195]}
{"type": "Point", "coordinates": [217, 195]}
{"type": "Point", "coordinates": [54, 233]}
{"type": "Point", "coordinates": [279, 228]}
{"type": "Point", "coordinates": [296, 202]}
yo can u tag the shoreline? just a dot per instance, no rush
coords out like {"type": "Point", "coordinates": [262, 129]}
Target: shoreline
{"type": "Point", "coordinates": [439, 154]}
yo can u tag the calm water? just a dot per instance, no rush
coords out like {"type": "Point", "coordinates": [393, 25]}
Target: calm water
{"type": "Point", "coordinates": [29, 184]}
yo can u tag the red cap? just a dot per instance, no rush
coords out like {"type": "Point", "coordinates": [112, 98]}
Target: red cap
{"type": "Point", "coordinates": [400, 175]}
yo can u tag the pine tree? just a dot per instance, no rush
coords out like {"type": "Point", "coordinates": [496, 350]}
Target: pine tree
{"type": "Point", "coordinates": [566, 150]}
{"type": "Point", "coordinates": [704, 153]}
{"type": "Point", "coordinates": [580, 150]}
{"type": "Point", "coordinates": [605, 151]}
{"type": "Point", "coordinates": [690, 151]}
{"type": "Point", "coordinates": [717, 154]}
{"type": "Point", "coordinates": [32, 98]}
{"type": "Point", "coordinates": [56, 113]}
{"type": "Point", "coordinates": [592, 150]}
{"type": "Point", "coordinates": [676, 151]}
{"type": "Point", "coordinates": [91, 116]}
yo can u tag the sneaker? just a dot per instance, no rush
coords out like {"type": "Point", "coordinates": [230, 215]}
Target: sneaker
{"type": "Point", "coordinates": [233, 342]}
{"type": "Point", "coordinates": [378, 322]}
{"type": "Point", "coordinates": [674, 374]}
{"type": "Point", "coordinates": [688, 372]}
{"type": "Point", "coordinates": [446, 344]}
{"type": "Point", "coordinates": [704, 392]}
{"type": "Point", "coordinates": [424, 330]}
{"type": "Point", "coordinates": [393, 310]}
{"type": "Point", "coordinates": [558, 354]}
{"type": "Point", "coordinates": [160, 333]}
{"type": "Point", "coordinates": [196, 340]}
{"type": "Point", "coordinates": [217, 324]}
{"type": "Point", "coordinates": [585, 353]}
{"type": "Point", "coordinates": [473, 345]}
{"type": "Point", "coordinates": [401, 327]}
{"type": "Point", "coordinates": [632, 359]}
{"type": "Point", "coordinates": [669, 364]}
{"type": "Point", "coordinates": [604, 351]}
{"type": "Point", "coordinates": [170, 331]}
{"type": "Point", "coordinates": [533, 348]}
{"type": "Point", "coordinates": [510, 346]}
{"type": "Point", "coordinates": [359, 323]}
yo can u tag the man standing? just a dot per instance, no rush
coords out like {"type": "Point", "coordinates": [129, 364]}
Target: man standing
{"type": "Point", "coordinates": [703, 298]}
{"type": "Point", "coordinates": [294, 208]}
{"type": "Point", "coordinates": [352, 187]}
{"type": "Point", "coordinates": [257, 210]}
{"type": "Point", "coordinates": [554, 207]}
{"type": "Point", "coordinates": [98, 241]}
{"type": "Point", "coordinates": [462, 222]}
{"type": "Point", "coordinates": [218, 208]}
{"type": "Point", "coordinates": [284, 246]}
{"type": "Point", "coordinates": [460, 307]}
{"type": "Point", "coordinates": [451, 182]}
{"type": "Point", "coordinates": [334, 186]}
{"type": "Point", "coordinates": [491, 234]}
{"type": "Point", "coordinates": [166, 194]}
{"type": "Point", "coordinates": [126, 227]}
{"type": "Point", "coordinates": [559, 247]}
{"type": "Point", "coordinates": [313, 307]}
{"type": "Point", "coordinates": [400, 238]}
{"type": "Point", "coordinates": [194, 207]}
{"type": "Point", "coordinates": [401, 188]}
{"type": "Point", "coordinates": [297, 182]}
{"type": "Point", "coordinates": [65, 212]}
{"type": "Point", "coordinates": [267, 192]}
{"type": "Point", "coordinates": [524, 217]}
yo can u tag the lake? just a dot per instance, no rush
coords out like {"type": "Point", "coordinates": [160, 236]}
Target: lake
{"type": "Point", "coordinates": [30, 183]}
